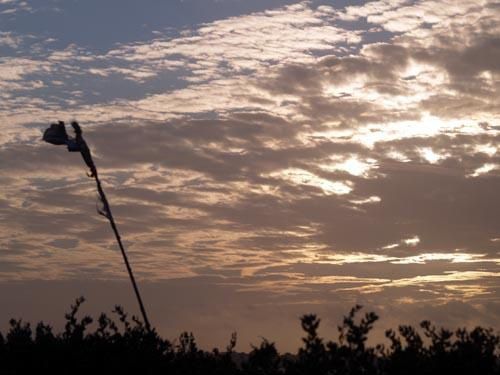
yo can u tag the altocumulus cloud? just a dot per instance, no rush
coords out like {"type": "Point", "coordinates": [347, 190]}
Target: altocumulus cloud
{"type": "Point", "coordinates": [297, 158]}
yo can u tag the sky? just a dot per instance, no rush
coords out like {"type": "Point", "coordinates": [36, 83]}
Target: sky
{"type": "Point", "coordinates": [263, 160]}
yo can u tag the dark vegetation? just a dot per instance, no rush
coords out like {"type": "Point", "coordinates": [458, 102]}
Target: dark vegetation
{"type": "Point", "coordinates": [125, 346]}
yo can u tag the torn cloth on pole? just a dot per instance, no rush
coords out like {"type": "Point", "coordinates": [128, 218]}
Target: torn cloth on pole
{"type": "Point", "coordinates": [80, 145]}
{"type": "Point", "coordinates": [56, 134]}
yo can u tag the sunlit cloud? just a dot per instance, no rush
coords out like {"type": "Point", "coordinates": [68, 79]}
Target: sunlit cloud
{"type": "Point", "coordinates": [413, 241]}
{"type": "Point", "coordinates": [485, 169]}
{"type": "Point", "coordinates": [352, 165]}
{"type": "Point", "coordinates": [488, 149]}
{"type": "Point", "coordinates": [369, 200]}
{"type": "Point", "coordinates": [303, 177]}
{"type": "Point", "coordinates": [452, 257]}
{"type": "Point", "coordinates": [447, 279]}
{"type": "Point", "coordinates": [431, 156]}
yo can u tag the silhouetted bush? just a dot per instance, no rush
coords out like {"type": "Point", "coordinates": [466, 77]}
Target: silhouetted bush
{"type": "Point", "coordinates": [125, 346]}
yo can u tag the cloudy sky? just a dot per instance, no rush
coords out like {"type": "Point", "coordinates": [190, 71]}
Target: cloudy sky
{"type": "Point", "coordinates": [263, 159]}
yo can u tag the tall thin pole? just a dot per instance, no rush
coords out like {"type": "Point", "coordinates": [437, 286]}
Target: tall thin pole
{"type": "Point", "coordinates": [109, 215]}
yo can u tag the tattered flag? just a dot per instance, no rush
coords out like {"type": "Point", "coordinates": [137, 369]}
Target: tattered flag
{"type": "Point", "coordinates": [56, 134]}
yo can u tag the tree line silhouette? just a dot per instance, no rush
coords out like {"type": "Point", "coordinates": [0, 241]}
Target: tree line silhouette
{"type": "Point", "coordinates": [125, 346]}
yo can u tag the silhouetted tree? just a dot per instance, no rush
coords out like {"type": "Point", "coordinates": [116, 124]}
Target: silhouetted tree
{"type": "Point", "coordinates": [263, 360]}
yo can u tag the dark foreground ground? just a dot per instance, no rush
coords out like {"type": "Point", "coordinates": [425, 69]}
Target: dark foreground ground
{"type": "Point", "coordinates": [124, 346]}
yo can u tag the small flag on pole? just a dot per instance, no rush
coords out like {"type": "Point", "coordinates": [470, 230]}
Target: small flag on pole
{"type": "Point", "coordinates": [56, 134]}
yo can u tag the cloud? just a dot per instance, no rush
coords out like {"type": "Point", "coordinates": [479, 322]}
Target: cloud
{"type": "Point", "coordinates": [9, 7]}
{"type": "Point", "coordinates": [244, 44]}
{"type": "Point", "coordinates": [9, 39]}
{"type": "Point", "coordinates": [292, 155]}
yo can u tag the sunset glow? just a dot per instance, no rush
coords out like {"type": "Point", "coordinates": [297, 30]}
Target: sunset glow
{"type": "Point", "coordinates": [257, 154]}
